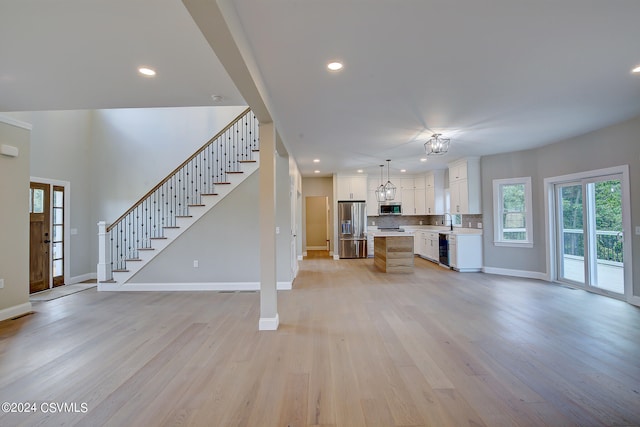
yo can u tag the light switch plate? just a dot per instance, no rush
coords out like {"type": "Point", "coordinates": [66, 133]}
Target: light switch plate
{"type": "Point", "coordinates": [479, 225]}
{"type": "Point", "coordinates": [1, 283]}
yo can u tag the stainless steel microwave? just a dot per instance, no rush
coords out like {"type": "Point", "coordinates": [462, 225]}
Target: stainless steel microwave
{"type": "Point", "coordinates": [390, 209]}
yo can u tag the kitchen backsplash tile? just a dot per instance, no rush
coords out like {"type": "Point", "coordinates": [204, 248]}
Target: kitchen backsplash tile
{"type": "Point", "coordinates": [398, 221]}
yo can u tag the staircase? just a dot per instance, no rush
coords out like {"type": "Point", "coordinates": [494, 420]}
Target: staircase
{"type": "Point", "coordinates": [177, 202]}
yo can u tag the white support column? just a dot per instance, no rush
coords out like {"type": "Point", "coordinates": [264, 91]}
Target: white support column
{"type": "Point", "coordinates": [268, 294]}
{"type": "Point", "coordinates": [102, 252]}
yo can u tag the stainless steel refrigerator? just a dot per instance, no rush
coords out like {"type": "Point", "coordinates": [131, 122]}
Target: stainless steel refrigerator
{"type": "Point", "coordinates": [352, 226]}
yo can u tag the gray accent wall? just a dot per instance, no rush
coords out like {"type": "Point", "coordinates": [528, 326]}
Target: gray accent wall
{"type": "Point", "coordinates": [14, 218]}
{"type": "Point", "coordinates": [612, 146]}
{"type": "Point", "coordinates": [225, 241]}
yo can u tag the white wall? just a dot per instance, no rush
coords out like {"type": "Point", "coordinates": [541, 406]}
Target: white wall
{"type": "Point", "coordinates": [14, 222]}
{"type": "Point", "coordinates": [612, 146]}
{"type": "Point", "coordinates": [134, 149]}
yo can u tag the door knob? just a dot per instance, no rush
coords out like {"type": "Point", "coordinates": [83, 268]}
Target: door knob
{"type": "Point", "coordinates": [47, 241]}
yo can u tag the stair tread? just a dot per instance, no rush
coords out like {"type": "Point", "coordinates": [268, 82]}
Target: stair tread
{"type": "Point", "coordinates": [255, 151]}
{"type": "Point", "coordinates": [235, 172]}
{"type": "Point", "coordinates": [133, 259]}
{"type": "Point", "coordinates": [188, 216]}
{"type": "Point", "coordinates": [108, 281]}
{"type": "Point", "coordinates": [191, 206]}
{"type": "Point", "coordinates": [120, 271]}
{"type": "Point", "coordinates": [146, 249]}
{"type": "Point", "coordinates": [158, 238]}
{"type": "Point", "coordinates": [247, 161]}
{"type": "Point", "coordinates": [209, 194]}
{"type": "Point", "coordinates": [172, 226]}
{"type": "Point", "coordinates": [221, 183]}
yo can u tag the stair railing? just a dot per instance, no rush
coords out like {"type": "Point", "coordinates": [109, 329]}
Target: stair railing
{"type": "Point", "coordinates": [157, 210]}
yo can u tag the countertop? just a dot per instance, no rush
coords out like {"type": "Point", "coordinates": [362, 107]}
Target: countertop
{"type": "Point", "coordinates": [376, 233]}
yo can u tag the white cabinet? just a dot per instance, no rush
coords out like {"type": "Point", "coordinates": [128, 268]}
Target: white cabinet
{"type": "Point", "coordinates": [352, 187]}
{"type": "Point", "coordinates": [427, 245]}
{"type": "Point", "coordinates": [464, 186]}
{"type": "Point", "coordinates": [465, 252]}
{"type": "Point", "coordinates": [420, 195]}
{"type": "Point", "coordinates": [372, 201]}
{"type": "Point", "coordinates": [407, 193]}
{"type": "Point", "coordinates": [434, 192]}
{"type": "Point", "coordinates": [432, 246]}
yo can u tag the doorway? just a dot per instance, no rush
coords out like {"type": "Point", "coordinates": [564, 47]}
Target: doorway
{"type": "Point", "coordinates": [317, 223]}
{"type": "Point", "coordinates": [46, 236]}
{"type": "Point", "coordinates": [590, 224]}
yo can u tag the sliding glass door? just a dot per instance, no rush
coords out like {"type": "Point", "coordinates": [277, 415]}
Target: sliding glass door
{"type": "Point", "coordinates": [590, 233]}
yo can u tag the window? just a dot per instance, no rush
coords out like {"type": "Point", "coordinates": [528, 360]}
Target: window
{"type": "Point", "coordinates": [513, 225]}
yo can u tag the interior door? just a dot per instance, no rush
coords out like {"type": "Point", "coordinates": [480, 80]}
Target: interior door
{"type": "Point", "coordinates": [39, 239]}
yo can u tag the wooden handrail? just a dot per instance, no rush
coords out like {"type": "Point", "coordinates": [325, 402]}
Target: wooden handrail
{"type": "Point", "coordinates": [183, 164]}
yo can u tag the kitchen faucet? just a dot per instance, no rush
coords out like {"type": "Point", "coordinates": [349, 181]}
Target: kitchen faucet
{"type": "Point", "coordinates": [450, 220]}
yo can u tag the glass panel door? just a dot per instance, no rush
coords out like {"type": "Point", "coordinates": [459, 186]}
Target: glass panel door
{"type": "Point", "coordinates": [58, 236]}
{"type": "Point", "coordinates": [590, 234]}
{"type": "Point", "coordinates": [571, 245]}
{"type": "Point", "coordinates": [606, 234]}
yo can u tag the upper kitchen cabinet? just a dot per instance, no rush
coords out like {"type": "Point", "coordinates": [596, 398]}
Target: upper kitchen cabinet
{"type": "Point", "coordinates": [372, 201]}
{"type": "Point", "coordinates": [407, 193]}
{"type": "Point", "coordinates": [434, 192]}
{"type": "Point", "coordinates": [420, 195]}
{"type": "Point", "coordinates": [352, 187]}
{"type": "Point", "coordinates": [464, 186]}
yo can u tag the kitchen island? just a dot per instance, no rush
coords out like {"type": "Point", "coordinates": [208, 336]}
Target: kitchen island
{"type": "Point", "coordinates": [393, 252]}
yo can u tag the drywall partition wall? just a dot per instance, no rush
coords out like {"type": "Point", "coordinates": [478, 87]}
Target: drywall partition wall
{"type": "Point", "coordinates": [608, 147]}
{"type": "Point", "coordinates": [134, 149]}
{"type": "Point", "coordinates": [317, 187]}
{"type": "Point", "coordinates": [61, 150]}
{"type": "Point", "coordinates": [14, 221]}
{"type": "Point", "coordinates": [224, 242]}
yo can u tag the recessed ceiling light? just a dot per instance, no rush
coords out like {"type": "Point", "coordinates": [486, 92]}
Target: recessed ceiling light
{"type": "Point", "coordinates": [334, 66]}
{"type": "Point", "coordinates": [217, 98]}
{"type": "Point", "coordinates": [403, 170]}
{"type": "Point", "coordinates": [316, 171]}
{"type": "Point", "coordinates": [360, 171]}
{"type": "Point", "coordinates": [424, 159]}
{"type": "Point", "coordinates": [316, 160]}
{"type": "Point", "coordinates": [146, 71]}
{"type": "Point", "coordinates": [636, 70]}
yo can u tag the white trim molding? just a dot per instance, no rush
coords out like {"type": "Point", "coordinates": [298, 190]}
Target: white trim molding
{"type": "Point", "coordinates": [515, 273]}
{"type": "Point", "coordinates": [15, 122]}
{"type": "Point", "coordinates": [81, 278]}
{"type": "Point", "coordinates": [635, 300]}
{"type": "Point", "coordinates": [15, 311]}
{"type": "Point", "coordinates": [269, 323]}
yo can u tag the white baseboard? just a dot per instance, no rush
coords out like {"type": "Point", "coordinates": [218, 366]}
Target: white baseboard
{"type": "Point", "coordinates": [336, 257]}
{"type": "Point", "coordinates": [301, 257]}
{"type": "Point", "coordinates": [15, 311]}
{"type": "Point", "coordinates": [515, 273]}
{"type": "Point", "coordinates": [304, 253]}
{"type": "Point", "coordinates": [269, 323]}
{"type": "Point", "coordinates": [179, 287]}
{"type": "Point", "coordinates": [81, 278]}
{"type": "Point", "coordinates": [635, 300]}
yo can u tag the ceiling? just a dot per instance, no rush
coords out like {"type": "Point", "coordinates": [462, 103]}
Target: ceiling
{"type": "Point", "coordinates": [494, 76]}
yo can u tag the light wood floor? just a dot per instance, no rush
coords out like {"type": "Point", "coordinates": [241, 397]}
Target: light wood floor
{"type": "Point", "coordinates": [355, 347]}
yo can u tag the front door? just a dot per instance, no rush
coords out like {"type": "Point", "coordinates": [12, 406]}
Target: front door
{"type": "Point", "coordinates": [39, 239]}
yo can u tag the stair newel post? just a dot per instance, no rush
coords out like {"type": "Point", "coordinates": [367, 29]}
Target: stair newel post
{"type": "Point", "coordinates": [103, 250]}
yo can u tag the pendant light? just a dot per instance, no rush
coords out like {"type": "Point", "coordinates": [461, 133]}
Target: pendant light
{"type": "Point", "coordinates": [380, 193]}
{"type": "Point", "coordinates": [389, 188]}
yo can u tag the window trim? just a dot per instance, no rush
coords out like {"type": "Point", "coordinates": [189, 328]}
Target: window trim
{"type": "Point", "coordinates": [498, 209]}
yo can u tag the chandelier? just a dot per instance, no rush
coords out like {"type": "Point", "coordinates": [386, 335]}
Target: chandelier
{"type": "Point", "coordinates": [380, 192]}
{"type": "Point", "coordinates": [389, 188]}
{"type": "Point", "coordinates": [437, 146]}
